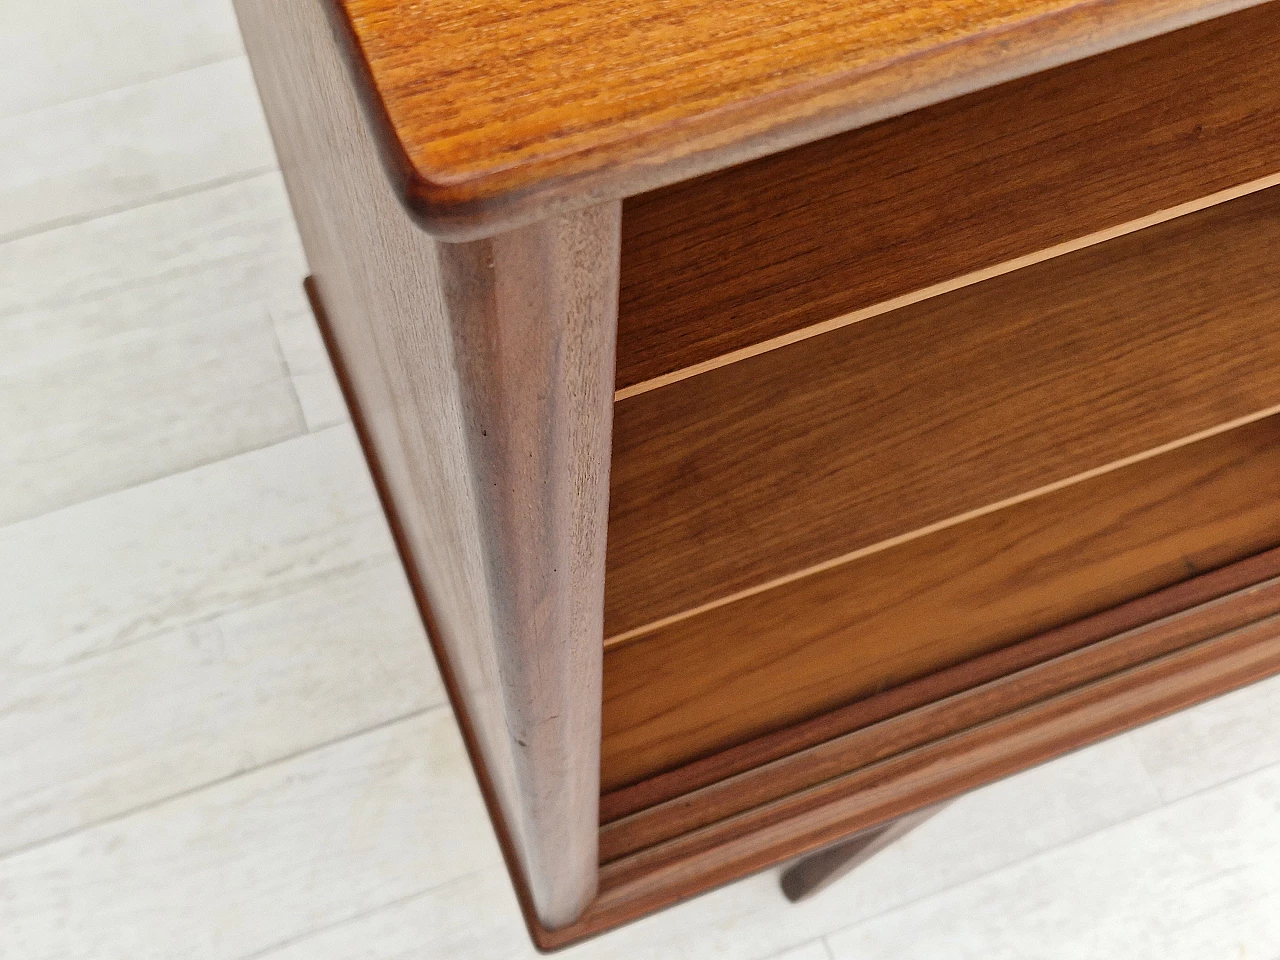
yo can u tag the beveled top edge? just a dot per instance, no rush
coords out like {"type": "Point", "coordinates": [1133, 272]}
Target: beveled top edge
{"type": "Point", "coordinates": [478, 143]}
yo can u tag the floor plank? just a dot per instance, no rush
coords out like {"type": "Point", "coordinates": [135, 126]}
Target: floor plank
{"type": "Point", "coordinates": [119, 569]}
{"type": "Point", "coordinates": [126, 147]}
{"type": "Point", "coordinates": [810, 951]}
{"type": "Point", "coordinates": [205, 638]}
{"type": "Point", "coordinates": [307, 360]}
{"type": "Point", "coordinates": [204, 702]}
{"type": "Point", "coordinates": [236, 244]}
{"type": "Point", "coordinates": [59, 50]}
{"type": "Point", "coordinates": [1197, 880]}
{"type": "Point", "coordinates": [1218, 741]}
{"type": "Point", "coordinates": [140, 404]}
{"type": "Point", "coordinates": [476, 917]}
{"type": "Point", "coordinates": [250, 863]}
{"type": "Point", "coordinates": [141, 344]}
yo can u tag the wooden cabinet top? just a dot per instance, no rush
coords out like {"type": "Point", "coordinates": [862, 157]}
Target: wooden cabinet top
{"type": "Point", "coordinates": [496, 112]}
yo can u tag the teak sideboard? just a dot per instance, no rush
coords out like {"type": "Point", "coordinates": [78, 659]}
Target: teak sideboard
{"type": "Point", "coordinates": [793, 415]}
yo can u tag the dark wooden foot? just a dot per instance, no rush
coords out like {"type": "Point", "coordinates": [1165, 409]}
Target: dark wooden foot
{"type": "Point", "coordinates": [819, 870]}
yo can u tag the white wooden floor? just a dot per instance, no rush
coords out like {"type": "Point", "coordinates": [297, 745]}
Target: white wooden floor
{"type": "Point", "coordinates": [221, 734]}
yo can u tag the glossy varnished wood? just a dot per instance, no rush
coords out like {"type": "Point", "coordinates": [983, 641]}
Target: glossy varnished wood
{"type": "Point", "coordinates": [1174, 648]}
{"type": "Point", "coordinates": [783, 656]}
{"type": "Point", "coordinates": [499, 111]}
{"type": "Point", "coordinates": [775, 765]}
{"type": "Point", "coordinates": [737, 258]}
{"type": "Point", "coordinates": [769, 468]}
{"type": "Point", "coordinates": [481, 374]}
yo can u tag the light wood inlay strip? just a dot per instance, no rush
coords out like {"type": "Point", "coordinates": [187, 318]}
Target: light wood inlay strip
{"type": "Point", "coordinates": [938, 289]}
{"type": "Point", "coordinates": [758, 755]}
{"type": "Point", "coordinates": [1086, 707]}
{"type": "Point", "coordinates": [749, 669]}
{"type": "Point", "coordinates": [638, 633]}
{"type": "Point", "coordinates": [1144, 660]}
{"type": "Point", "coordinates": [746, 255]}
{"type": "Point", "coordinates": [802, 458]}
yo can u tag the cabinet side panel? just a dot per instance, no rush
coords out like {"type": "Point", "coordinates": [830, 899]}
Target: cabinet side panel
{"type": "Point", "coordinates": [507, 560]}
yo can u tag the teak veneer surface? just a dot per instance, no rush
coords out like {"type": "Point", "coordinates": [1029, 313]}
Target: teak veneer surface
{"type": "Point", "coordinates": [770, 467]}
{"type": "Point", "coordinates": [481, 374]}
{"type": "Point", "coordinates": [938, 737]}
{"type": "Point", "coordinates": [733, 259]}
{"type": "Point", "coordinates": [967, 742]}
{"type": "Point", "coordinates": [800, 756]}
{"type": "Point", "coordinates": [788, 654]}
{"type": "Point", "coordinates": [494, 111]}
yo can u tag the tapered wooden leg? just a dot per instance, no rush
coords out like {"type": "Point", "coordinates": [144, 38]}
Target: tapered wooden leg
{"type": "Point", "coordinates": [819, 870]}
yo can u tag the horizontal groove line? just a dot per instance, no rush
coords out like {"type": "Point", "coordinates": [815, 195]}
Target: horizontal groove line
{"type": "Point", "coordinates": [1067, 698]}
{"type": "Point", "coordinates": [638, 633]}
{"type": "Point", "coordinates": [948, 286]}
{"type": "Point", "coordinates": [1262, 578]}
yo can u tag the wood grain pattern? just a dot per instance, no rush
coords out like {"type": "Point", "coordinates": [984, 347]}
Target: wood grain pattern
{"type": "Point", "coordinates": [776, 658]}
{"type": "Point", "coordinates": [939, 771]}
{"type": "Point", "coordinates": [1049, 709]}
{"type": "Point", "coordinates": [882, 726]}
{"type": "Point", "coordinates": [735, 258]}
{"type": "Point", "coordinates": [481, 375]}
{"type": "Point", "coordinates": [763, 470]}
{"type": "Point", "coordinates": [501, 112]}
{"type": "Point", "coordinates": [760, 770]}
